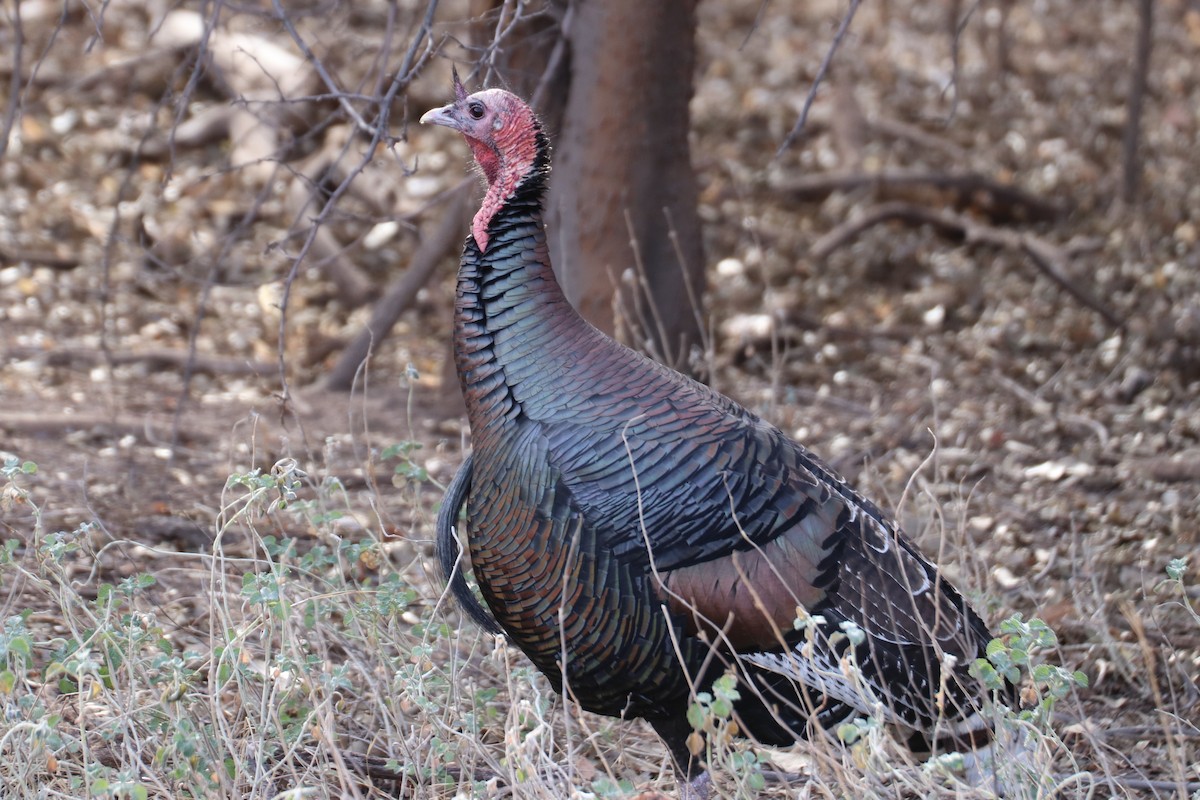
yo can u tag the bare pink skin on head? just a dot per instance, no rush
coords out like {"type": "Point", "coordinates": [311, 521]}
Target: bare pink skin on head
{"type": "Point", "coordinates": [502, 133]}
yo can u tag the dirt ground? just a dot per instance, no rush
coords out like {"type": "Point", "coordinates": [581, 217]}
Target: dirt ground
{"type": "Point", "coordinates": [1046, 446]}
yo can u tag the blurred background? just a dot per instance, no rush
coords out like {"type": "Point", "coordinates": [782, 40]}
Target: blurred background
{"type": "Point", "coordinates": [970, 281]}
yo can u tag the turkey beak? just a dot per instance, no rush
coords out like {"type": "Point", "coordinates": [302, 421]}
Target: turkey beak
{"type": "Point", "coordinates": [442, 116]}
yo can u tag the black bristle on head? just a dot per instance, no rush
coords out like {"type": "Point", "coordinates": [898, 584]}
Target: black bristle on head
{"type": "Point", "coordinates": [460, 91]}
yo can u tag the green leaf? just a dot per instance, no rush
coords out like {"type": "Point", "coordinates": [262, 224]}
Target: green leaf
{"type": "Point", "coordinates": [986, 673]}
{"type": "Point", "coordinates": [1175, 568]}
{"type": "Point", "coordinates": [726, 687]}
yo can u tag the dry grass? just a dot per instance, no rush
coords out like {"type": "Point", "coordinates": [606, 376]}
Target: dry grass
{"type": "Point", "coordinates": [323, 666]}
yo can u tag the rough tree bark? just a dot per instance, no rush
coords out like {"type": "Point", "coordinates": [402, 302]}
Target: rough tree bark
{"type": "Point", "coordinates": [623, 178]}
{"type": "Point", "coordinates": [617, 112]}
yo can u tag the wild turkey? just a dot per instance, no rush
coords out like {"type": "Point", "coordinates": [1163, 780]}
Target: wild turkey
{"type": "Point", "coordinates": [639, 535]}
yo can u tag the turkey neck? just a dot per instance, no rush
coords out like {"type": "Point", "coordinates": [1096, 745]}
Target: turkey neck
{"type": "Point", "coordinates": [514, 330]}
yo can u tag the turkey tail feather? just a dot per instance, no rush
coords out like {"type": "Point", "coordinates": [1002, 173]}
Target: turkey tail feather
{"type": "Point", "coordinates": [451, 555]}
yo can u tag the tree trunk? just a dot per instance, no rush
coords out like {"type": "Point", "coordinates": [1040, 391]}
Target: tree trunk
{"type": "Point", "coordinates": [623, 178]}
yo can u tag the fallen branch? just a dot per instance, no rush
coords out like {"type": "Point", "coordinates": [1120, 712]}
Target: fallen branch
{"type": "Point", "coordinates": [155, 359]}
{"type": "Point", "coordinates": [401, 294]}
{"type": "Point", "coordinates": [994, 198]}
{"type": "Point", "coordinates": [897, 129]}
{"type": "Point", "coordinates": [151, 430]}
{"type": "Point", "coordinates": [850, 333]}
{"type": "Point", "coordinates": [1171, 470]}
{"type": "Point", "coordinates": [62, 263]}
{"type": "Point", "coordinates": [1046, 257]}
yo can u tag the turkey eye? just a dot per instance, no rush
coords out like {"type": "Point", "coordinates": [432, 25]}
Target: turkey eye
{"type": "Point", "coordinates": [476, 110]}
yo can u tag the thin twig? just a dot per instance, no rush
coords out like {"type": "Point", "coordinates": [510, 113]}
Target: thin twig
{"type": "Point", "coordinates": [958, 26]}
{"type": "Point", "coordinates": [410, 66]}
{"type": "Point", "coordinates": [354, 287]}
{"type": "Point", "coordinates": [106, 284]}
{"type": "Point", "coordinates": [812, 92]}
{"type": "Point", "coordinates": [693, 293]}
{"type": "Point", "coordinates": [404, 75]}
{"type": "Point", "coordinates": [1139, 732]}
{"type": "Point", "coordinates": [1046, 258]}
{"type": "Point", "coordinates": [884, 212]}
{"type": "Point", "coordinates": [1137, 95]}
{"type": "Point", "coordinates": [200, 67]}
{"type": "Point", "coordinates": [501, 33]}
{"type": "Point", "coordinates": [400, 296]}
{"type": "Point", "coordinates": [556, 57]}
{"type": "Point", "coordinates": [14, 89]}
{"type": "Point", "coordinates": [665, 352]}
{"type": "Point", "coordinates": [758, 15]}
{"type": "Point", "coordinates": [319, 67]}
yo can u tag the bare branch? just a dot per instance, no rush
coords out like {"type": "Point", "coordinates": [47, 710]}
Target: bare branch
{"type": "Point", "coordinates": [898, 129]}
{"type": "Point", "coordinates": [354, 288]}
{"type": "Point", "coordinates": [154, 358]}
{"type": "Point", "coordinates": [555, 59]}
{"type": "Point", "coordinates": [758, 15]}
{"type": "Point", "coordinates": [957, 26]}
{"type": "Point", "coordinates": [14, 89]}
{"type": "Point", "coordinates": [1137, 96]}
{"type": "Point", "coordinates": [1046, 257]}
{"type": "Point", "coordinates": [812, 93]}
{"type": "Point", "coordinates": [147, 428]}
{"type": "Point", "coordinates": [404, 75]}
{"type": "Point", "coordinates": [319, 66]}
{"type": "Point", "coordinates": [400, 296]}
{"type": "Point", "coordinates": [411, 65]}
{"type": "Point", "coordinates": [993, 196]}
{"type": "Point", "coordinates": [51, 260]}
